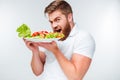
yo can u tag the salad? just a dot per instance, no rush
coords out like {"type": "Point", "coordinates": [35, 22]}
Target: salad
{"type": "Point", "coordinates": [25, 32]}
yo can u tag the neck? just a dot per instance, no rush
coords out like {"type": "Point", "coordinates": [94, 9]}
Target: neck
{"type": "Point", "coordinates": [72, 24]}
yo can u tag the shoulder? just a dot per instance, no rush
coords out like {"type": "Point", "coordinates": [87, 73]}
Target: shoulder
{"type": "Point", "coordinates": [84, 43]}
{"type": "Point", "coordinates": [82, 35]}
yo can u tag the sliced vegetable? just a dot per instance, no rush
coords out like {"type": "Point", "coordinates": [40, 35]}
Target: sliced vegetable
{"type": "Point", "coordinates": [24, 31]}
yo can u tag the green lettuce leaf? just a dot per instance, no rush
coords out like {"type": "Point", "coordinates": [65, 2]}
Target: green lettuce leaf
{"type": "Point", "coordinates": [23, 31]}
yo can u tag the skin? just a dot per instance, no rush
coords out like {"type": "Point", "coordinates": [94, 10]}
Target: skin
{"type": "Point", "coordinates": [76, 67]}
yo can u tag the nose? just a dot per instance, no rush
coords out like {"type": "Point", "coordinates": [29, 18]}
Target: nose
{"type": "Point", "coordinates": [54, 25]}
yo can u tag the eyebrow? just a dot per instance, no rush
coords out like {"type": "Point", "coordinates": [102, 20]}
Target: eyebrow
{"type": "Point", "coordinates": [54, 19]}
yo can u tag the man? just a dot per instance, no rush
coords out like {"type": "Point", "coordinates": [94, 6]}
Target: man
{"type": "Point", "coordinates": [67, 59]}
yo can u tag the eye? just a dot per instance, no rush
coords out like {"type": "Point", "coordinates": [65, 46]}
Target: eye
{"type": "Point", "coordinates": [51, 22]}
{"type": "Point", "coordinates": [57, 20]}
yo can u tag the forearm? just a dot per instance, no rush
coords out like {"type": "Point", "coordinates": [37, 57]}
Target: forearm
{"type": "Point", "coordinates": [36, 64]}
{"type": "Point", "coordinates": [68, 67]}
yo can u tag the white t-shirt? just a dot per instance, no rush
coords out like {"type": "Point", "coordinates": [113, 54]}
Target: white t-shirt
{"type": "Point", "coordinates": [78, 42]}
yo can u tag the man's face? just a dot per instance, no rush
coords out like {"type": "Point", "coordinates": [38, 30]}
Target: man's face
{"type": "Point", "coordinates": [60, 23]}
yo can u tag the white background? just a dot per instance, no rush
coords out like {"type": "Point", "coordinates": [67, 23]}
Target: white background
{"type": "Point", "coordinates": [99, 17]}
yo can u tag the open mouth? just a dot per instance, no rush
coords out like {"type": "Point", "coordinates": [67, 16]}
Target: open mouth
{"type": "Point", "coordinates": [58, 30]}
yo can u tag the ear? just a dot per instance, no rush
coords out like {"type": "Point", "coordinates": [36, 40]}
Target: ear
{"type": "Point", "coordinates": [70, 17]}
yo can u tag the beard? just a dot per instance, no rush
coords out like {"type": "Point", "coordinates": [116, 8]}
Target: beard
{"type": "Point", "coordinates": [66, 31]}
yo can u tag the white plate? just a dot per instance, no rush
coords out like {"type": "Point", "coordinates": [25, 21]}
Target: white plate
{"type": "Point", "coordinates": [42, 40]}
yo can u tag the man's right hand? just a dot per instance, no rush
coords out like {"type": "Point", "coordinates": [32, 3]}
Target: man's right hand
{"type": "Point", "coordinates": [31, 45]}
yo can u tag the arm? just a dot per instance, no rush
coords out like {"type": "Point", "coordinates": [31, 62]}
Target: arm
{"type": "Point", "coordinates": [75, 68]}
{"type": "Point", "coordinates": [38, 58]}
{"type": "Point", "coordinates": [37, 62]}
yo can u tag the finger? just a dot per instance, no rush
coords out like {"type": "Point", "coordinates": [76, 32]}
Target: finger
{"type": "Point", "coordinates": [29, 43]}
{"type": "Point", "coordinates": [36, 44]}
{"type": "Point", "coordinates": [24, 39]}
{"type": "Point", "coordinates": [53, 42]}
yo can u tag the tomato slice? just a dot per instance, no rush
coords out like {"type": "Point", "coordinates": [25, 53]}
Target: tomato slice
{"type": "Point", "coordinates": [43, 34]}
{"type": "Point", "coordinates": [35, 34]}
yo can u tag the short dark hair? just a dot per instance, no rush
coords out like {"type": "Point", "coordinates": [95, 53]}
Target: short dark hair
{"type": "Point", "coordinates": [61, 5]}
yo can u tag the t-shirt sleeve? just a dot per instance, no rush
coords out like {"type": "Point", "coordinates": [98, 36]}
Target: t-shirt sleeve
{"type": "Point", "coordinates": [84, 44]}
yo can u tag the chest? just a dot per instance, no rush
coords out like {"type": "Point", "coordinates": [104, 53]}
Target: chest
{"type": "Point", "coordinates": [67, 47]}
